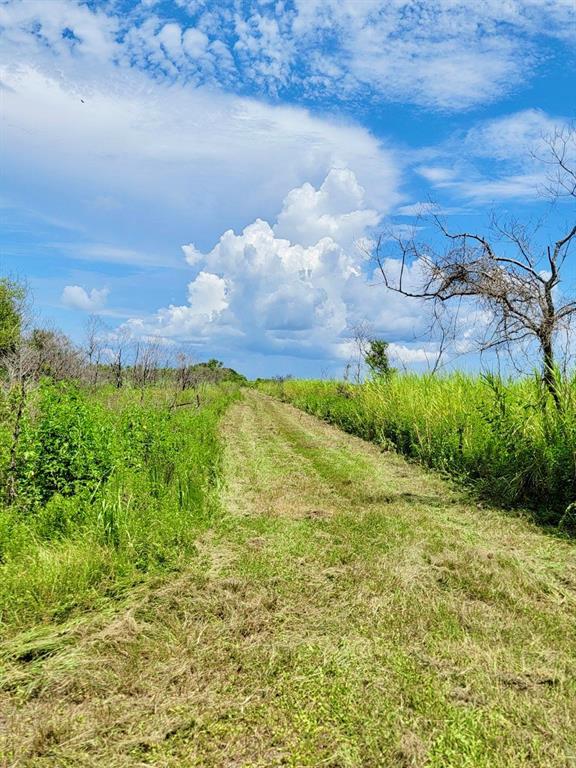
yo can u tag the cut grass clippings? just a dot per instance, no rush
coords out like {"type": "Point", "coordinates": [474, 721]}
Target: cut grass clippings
{"type": "Point", "coordinates": [347, 609]}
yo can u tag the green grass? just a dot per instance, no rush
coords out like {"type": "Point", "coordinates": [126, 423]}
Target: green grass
{"type": "Point", "coordinates": [345, 608]}
{"type": "Point", "coordinates": [505, 438]}
{"type": "Point", "coordinates": [111, 486]}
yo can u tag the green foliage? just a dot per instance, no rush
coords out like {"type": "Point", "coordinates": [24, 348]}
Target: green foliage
{"type": "Point", "coordinates": [111, 485]}
{"type": "Point", "coordinates": [65, 446]}
{"type": "Point", "coordinates": [12, 295]}
{"type": "Point", "coordinates": [215, 372]}
{"type": "Point", "coordinates": [376, 358]}
{"type": "Point", "coordinates": [506, 438]}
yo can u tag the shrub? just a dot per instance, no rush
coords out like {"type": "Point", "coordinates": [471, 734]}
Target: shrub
{"type": "Point", "coordinates": [65, 447]}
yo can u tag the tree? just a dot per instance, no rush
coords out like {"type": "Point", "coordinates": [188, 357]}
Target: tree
{"type": "Point", "coordinates": [55, 355]}
{"type": "Point", "coordinates": [360, 344]}
{"type": "Point", "coordinates": [119, 349]}
{"type": "Point", "coordinates": [146, 363]}
{"type": "Point", "coordinates": [507, 272]}
{"type": "Point", "coordinates": [376, 358]}
{"type": "Point", "coordinates": [95, 329]}
{"type": "Point", "coordinates": [183, 375]}
{"type": "Point", "coordinates": [12, 295]}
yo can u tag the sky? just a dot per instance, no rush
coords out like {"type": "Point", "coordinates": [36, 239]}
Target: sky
{"type": "Point", "coordinates": [214, 174]}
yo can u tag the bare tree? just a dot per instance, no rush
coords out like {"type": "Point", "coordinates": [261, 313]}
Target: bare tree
{"type": "Point", "coordinates": [506, 273]}
{"type": "Point", "coordinates": [360, 339]}
{"type": "Point", "coordinates": [184, 375]}
{"type": "Point", "coordinates": [119, 351]}
{"type": "Point", "coordinates": [146, 361]}
{"type": "Point", "coordinates": [94, 348]}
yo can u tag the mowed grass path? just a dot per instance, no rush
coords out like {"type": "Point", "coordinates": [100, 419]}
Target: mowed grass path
{"type": "Point", "coordinates": [347, 609]}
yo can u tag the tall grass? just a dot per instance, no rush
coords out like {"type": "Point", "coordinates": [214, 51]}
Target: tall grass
{"type": "Point", "coordinates": [505, 437]}
{"type": "Point", "coordinates": [110, 485]}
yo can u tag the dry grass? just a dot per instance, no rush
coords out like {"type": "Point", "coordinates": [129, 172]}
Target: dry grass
{"type": "Point", "coordinates": [348, 610]}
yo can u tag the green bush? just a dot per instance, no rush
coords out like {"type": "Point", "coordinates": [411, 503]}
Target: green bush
{"type": "Point", "coordinates": [111, 485]}
{"type": "Point", "coordinates": [65, 446]}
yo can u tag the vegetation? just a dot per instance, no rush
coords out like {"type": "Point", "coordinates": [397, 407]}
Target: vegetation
{"type": "Point", "coordinates": [178, 588]}
{"type": "Point", "coordinates": [349, 609]}
{"type": "Point", "coordinates": [11, 298]}
{"type": "Point", "coordinates": [105, 485]}
{"type": "Point", "coordinates": [377, 358]}
{"type": "Point", "coordinates": [505, 437]}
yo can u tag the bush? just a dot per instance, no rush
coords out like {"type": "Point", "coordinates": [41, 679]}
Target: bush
{"type": "Point", "coordinates": [65, 447]}
{"type": "Point", "coordinates": [111, 485]}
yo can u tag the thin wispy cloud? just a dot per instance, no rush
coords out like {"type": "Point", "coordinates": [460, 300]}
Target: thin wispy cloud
{"type": "Point", "coordinates": [219, 164]}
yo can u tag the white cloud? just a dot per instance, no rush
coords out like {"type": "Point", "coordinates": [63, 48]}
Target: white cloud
{"type": "Point", "coordinates": [446, 54]}
{"type": "Point", "coordinates": [174, 151]}
{"type": "Point", "coordinates": [62, 26]}
{"type": "Point", "coordinates": [111, 254]}
{"type": "Point", "coordinates": [506, 158]}
{"type": "Point", "coordinates": [76, 297]}
{"type": "Point", "coordinates": [514, 138]}
{"type": "Point", "coordinates": [195, 43]}
{"type": "Point", "coordinates": [337, 210]}
{"type": "Point", "coordinates": [409, 355]}
{"type": "Point", "coordinates": [449, 54]}
{"type": "Point", "coordinates": [295, 294]}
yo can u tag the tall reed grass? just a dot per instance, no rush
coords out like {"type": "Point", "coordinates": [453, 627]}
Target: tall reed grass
{"type": "Point", "coordinates": [111, 485]}
{"type": "Point", "coordinates": [506, 437]}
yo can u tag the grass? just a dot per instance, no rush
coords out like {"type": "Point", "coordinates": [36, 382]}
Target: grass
{"type": "Point", "coordinates": [113, 486]}
{"type": "Point", "coordinates": [505, 438]}
{"type": "Point", "coordinates": [346, 609]}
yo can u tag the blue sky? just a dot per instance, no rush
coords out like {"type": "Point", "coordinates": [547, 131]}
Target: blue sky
{"type": "Point", "coordinates": [211, 174]}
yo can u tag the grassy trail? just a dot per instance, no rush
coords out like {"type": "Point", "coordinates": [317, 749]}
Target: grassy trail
{"type": "Point", "coordinates": [346, 610]}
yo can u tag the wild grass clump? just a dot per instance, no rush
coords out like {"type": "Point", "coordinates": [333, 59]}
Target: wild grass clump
{"type": "Point", "coordinates": [109, 485]}
{"type": "Point", "coordinates": [506, 437]}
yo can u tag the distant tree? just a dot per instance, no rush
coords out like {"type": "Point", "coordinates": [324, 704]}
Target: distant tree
{"type": "Point", "coordinates": [214, 364]}
{"type": "Point", "coordinates": [12, 295]}
{"type": "Point", "coordinates": [360, 341]}
{"type": "Point", "coordinates": [376, 358]}
{"type": "Point", "coordinates": [55, 355]}
{"type": "Point", "coordinates": [119, 349]}
{"type": "Point", "coordinates": [146, 363]}
{"type": "Point", "coordinates": [94, 347]}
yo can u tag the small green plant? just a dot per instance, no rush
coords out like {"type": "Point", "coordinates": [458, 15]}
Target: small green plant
{"type": "Point", "coordinates": [65, 446]}
{"type": "Point", "coordinates": [376, 358]}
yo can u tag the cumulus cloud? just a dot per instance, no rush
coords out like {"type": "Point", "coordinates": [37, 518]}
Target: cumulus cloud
{"type": "Point", "coordinates": [407, 355]}
{"type": "Point", "coordinates": [296, 286]}
{"type": "Point", "coordinates": [335, 210]}
{"type": "Point", "coordinates": [77, 297]}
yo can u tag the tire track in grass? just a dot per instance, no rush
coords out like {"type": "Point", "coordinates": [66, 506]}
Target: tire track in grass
{"type": "Point", "coordinates": [347, 610]}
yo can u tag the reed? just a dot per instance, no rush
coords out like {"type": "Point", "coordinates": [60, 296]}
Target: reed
{"type": "Point", "coordinates": [504, 437]}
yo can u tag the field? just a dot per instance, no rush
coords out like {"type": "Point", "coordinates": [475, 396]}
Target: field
{"type": "Point", "coordinates": [229, 581]}
{"type": "Point", "coordinates": [506, 439]}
